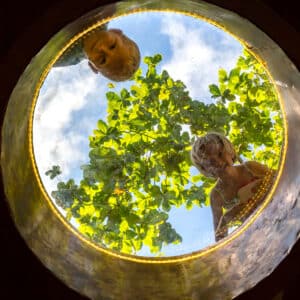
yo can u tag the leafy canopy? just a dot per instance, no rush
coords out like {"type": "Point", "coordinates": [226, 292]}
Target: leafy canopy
{"type": "Point", "coordinates": [140, 165]}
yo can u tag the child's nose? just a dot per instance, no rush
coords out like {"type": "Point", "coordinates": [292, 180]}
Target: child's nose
{"type": "Point", "coordinates": [213, 161]}
{"type": "Point", "coordinates": [102, 48]}
{"type": "Point", "coordinates": [101, 57]}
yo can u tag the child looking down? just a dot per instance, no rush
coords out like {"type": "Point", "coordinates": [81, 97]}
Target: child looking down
{"type": "Point", "coordinates": [235, 191]}
{"type": "Point", "coordinates": [109, 52]}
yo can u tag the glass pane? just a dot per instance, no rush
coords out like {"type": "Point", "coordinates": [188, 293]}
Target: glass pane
{"type": "Point", "coordinates": [166, 160]}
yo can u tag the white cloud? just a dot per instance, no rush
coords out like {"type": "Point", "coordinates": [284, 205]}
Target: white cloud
{"type": "Point", "coordinates": [59, 137]}
{"type": "Point", "coordinates": [196, 57]}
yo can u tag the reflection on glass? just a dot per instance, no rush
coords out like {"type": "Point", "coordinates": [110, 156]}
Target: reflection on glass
{"type": "Point", "coordinates": [239, 188]}
{"type": "Point", "coordinates": [116, 157]}
{"type": "Point", "coordinates": [108, 51]}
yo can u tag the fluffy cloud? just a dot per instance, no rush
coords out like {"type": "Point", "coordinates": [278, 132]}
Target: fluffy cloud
{"type": "Point", "coordinates": [198, 52]}
{"type": "Point", "coordinates": [60, 137]}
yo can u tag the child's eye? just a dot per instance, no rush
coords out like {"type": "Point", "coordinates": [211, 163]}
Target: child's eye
{"type": "Point", "coordinates": [112, 46]}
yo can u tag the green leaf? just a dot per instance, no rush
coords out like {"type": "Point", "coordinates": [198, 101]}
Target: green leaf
{"type": "Point", "coordinates": [110, 85]}
{"type": "Point", "coordinates": [252, 93]}
{"type": "Point", "coordinates": [157, 58]}
{"type": "Point", "coordinates": [214, 90]}
{"type": "Point", "coordinates": [139, 164]}
{"type": "Point", "coordinates": [222, 76]}
{"type": "Point", "coordinates": [196, 178]}
{"type": "Point", "coordinates": [102, 126]}
{"type": "Point", "coordinates": [234, 73]}
{"type": "Point", "coordinates": [235, 79]}
{"type": "Point", "coordinates": [112, 96]}
{"type": "Point", "coordinates": [124, 94]}
{"type": "Point", "coordinates": [52, 173]}
{"type": "Point", "coordinates": [154, 217]}
{"type": "Point", "coordinates": [230, 97]}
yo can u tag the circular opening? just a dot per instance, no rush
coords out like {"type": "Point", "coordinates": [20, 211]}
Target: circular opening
{"type": "Point", "coordinates": [171, 160]}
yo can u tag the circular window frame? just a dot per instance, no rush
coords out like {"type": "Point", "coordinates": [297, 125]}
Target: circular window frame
{"type": "Point", "coordinates": [215, 260]}
{"type": "Point", "coordinates": [144, 259]}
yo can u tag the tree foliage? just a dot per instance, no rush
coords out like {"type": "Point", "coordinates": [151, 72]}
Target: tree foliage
{"type": "Point", "coordinates": [140, 165]}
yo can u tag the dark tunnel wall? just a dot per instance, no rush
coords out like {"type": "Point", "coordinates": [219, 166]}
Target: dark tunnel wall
{"type": "Point", "coordinates": [25, 28]}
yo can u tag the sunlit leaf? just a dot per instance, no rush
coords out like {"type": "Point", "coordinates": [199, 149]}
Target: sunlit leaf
{"type": "Point", "coordinates": [222, 75]}
{"type": "Point", "coordinates": [110, 85]}
{"type": "Point", "coordinates": [214, 90]}
{"type": "Point", "coordinates": [139, 166]}
{"type": "Point", "coordinates": [102, 126]}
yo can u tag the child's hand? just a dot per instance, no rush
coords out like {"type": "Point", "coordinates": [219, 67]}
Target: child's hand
{"type": "Point", "coordinates": [248, 191]}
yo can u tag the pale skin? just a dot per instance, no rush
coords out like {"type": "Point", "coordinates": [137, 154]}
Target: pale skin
{"type": "Point", "coordinates": [234, 181]}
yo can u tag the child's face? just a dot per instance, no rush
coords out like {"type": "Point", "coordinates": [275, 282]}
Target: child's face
{"type": "Point", "coordinates": [108, 51]}
{"type": "Point", "coordinates": [216, 159]}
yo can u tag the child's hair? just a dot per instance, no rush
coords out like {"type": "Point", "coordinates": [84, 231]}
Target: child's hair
{"type": "Point", "coordinates": [199, 155]}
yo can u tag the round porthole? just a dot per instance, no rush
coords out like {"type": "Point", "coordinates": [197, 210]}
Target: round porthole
{"type": "Point", "coordinates": [155, 158]}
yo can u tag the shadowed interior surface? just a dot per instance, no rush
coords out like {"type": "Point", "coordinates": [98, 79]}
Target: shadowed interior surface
{"type": "Point", "coordinates": [189, 269]}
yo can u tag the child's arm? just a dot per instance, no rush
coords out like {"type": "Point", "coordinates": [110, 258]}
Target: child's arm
{"type": "Point", "coordinates": [248, 191]}
{"type": "Point", "coordinates": [216, 203]}
{"type": "Point", "coordinates": [257, 169]}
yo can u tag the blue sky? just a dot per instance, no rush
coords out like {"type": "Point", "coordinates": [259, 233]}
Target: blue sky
{"type": "Point", "coordinates": [72, 99]}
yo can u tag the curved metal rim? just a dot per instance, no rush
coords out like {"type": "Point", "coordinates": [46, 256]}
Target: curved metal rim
{"type": "Point", "coordinates": [246, 257]}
